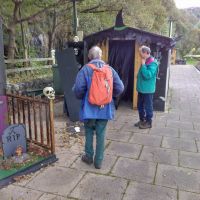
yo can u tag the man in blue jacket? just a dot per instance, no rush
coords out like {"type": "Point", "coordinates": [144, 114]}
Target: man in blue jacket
{"type": "Point", "coordinates": [95, 117]}
{"type": "Point", "coordinates": [146, 86]}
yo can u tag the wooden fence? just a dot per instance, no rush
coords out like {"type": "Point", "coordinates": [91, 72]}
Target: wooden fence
{"type": "Point", "coordinates": [29, 61]}
{"type": "Point", "coordinates": [37, 115]}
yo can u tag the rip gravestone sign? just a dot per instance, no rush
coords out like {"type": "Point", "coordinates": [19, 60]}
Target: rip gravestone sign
{"type": "Point", "coordinates": [13, 136]}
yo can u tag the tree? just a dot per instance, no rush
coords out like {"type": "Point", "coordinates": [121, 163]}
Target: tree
{"type": "Point", "coordinates": [11, 21]}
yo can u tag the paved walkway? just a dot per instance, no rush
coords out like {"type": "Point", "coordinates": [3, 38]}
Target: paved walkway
{"type": "Point", "coordinates": [158, 164]}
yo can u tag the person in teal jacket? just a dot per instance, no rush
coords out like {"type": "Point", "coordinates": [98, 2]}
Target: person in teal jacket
{"type": "Point", "coordinates": [146, 86]}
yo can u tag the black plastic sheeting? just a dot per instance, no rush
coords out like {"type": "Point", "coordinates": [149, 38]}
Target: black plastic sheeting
{"type": "Point", "coordinates": [121, 58]}
{"type": "Point", "coordinates": [68, 68]}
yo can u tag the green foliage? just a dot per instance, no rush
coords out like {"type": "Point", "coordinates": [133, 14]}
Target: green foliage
{"type": "Point", "coordinates": [96, 15]}
{"type": "Point", "coordinates": [192, 61]}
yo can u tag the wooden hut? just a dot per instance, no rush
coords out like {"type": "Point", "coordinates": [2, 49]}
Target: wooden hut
{"type": "Point", "coordinates": [120, 45]}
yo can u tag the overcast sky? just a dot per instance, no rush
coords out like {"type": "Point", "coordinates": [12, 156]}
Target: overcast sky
{"type": "Point", "coordinates": [187, 3]}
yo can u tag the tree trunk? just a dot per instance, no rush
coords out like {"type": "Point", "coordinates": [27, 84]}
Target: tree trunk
{"type": "Point", "coordinates": [11, 42]}
{"type": "Point", "coordinates": [25, 49]}
{"type": "Point", "coordinates": [12, 29]}
{"type": "Point", "coordinates": [50, 43]}
{"type": "Point", "coordinates": [51, 33]}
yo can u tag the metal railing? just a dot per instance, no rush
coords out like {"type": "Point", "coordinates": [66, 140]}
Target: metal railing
{"type": "Point", "coordinates": [37, 115]}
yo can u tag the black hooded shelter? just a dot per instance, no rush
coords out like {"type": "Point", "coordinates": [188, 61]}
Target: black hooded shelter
{"type": "Point", "coordinates": [120, 45]}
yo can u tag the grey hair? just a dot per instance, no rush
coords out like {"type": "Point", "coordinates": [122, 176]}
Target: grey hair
{"type": "Point", "coordinates": [145, 49]}
{"type": "Point", "coordinates": [95, 53]}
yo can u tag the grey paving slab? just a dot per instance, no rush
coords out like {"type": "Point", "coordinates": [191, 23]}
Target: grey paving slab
{"type": "Point", "coordinates": [188, 196]}
{"type": "Point", "coordinates": [56, 180]}
{"type": "Point", "coordinates": [160, 155]}
{"type": "Point", "coordinates": [99, 187]}
{"type": "Point", "coordinates": [196, 114]}
{"type": "Point", "coordinates": [197, 126]}
{"type": "Point", "coordinates": [124, 149]}
{"type": "Point", "coordinates": [169, 132]}
{"type": "Point", "coordinates": [190, 134]}
{"type": "Point", "coordinates": [65, 159]}
{"type": "Point", "coordinates": [131, 128]}
{"type": "Point", "coordinates": [190, 118]}
{"type": "Point", "coordinates": [190, 160]}
{"type": "Point", "coordinates": [28, 178]}
{"type": "Point", "coordinates": [140, 191]}
{"type": "Point", "coordinates": [146, 139]}
{"type": "Point", "coordinates": [52, 197]}
{"type": "Point", "coordinates": [198, 145]}
{"type": "Point", "coordinates": [76, 149]}
{"type": "Point", "coordinates": [115, 125]}
{"type": "Point", "coordinates": [178, 177]}
{"type": "Point", "coordinates": [180, 144]}
{"type": "Point", "coordinates": [180, 125]}
{"type": "Point", "coordinates": [129, 117]}
{"type": "Point", "coordinates": [108, 162]}
{"type": "Point", "coordinates": [19, 193]}
{"type": "Point", "coordinates": [159, 124]}
{"type": "Point", "coordinates": [136, 170]}
{"type": "Point", "coordinates": [173, 116]}
{"type": "Point", "coordinates": [122, 136]}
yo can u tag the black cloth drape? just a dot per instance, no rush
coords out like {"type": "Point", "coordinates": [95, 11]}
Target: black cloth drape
{"type": "Point", "coordinates": [121, 58]}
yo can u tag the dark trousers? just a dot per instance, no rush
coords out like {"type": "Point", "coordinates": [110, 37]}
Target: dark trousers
{"type": "Point", "coordinates": [145, 107]}
{"type": "Point", "coordinates": [97, 126]}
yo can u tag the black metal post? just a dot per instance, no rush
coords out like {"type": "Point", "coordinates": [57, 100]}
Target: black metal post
{"type": "Point", "coordinates": [170, 26]}
{"type": "Point", "coordinates": [3, 98]}
{"type": "Point", "coordinates": [75, 17]}
{"type": "Point", "coordinates": [2, 64]}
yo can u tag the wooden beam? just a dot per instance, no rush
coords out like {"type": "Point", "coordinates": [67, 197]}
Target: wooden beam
{"type": "Point", "coordinates": [104, 47]}
{"type": "Point", "coordinates": [137, 64]}
{"type": "Point", "coordinates": [173, 57]}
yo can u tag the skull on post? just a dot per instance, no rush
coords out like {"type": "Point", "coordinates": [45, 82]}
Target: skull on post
{"type": "Point", "coordinates": [49, 92]}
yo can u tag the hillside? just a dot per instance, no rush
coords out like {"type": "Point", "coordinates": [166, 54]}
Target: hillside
{"type": "Point", "coordinates": [194, 16]}
{"type": "Point", "coordinates": [194, 11]}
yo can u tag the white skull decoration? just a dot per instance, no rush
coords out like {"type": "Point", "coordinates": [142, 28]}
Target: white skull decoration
{"type": "Point", "coordinates": [49, 92]}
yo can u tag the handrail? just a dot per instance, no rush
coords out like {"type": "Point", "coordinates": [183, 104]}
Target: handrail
{"type": "Point", "coordinates": [14, 61]}
{"type": "Point", "coordinates": [22, 69]}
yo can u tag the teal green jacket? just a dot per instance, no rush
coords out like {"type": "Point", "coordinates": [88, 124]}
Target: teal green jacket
{"type": "Point", "coordinates": [146, 78]}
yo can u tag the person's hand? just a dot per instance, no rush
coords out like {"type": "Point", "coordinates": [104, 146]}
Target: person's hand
{"type": "Point", "coordinates": [143, 61]}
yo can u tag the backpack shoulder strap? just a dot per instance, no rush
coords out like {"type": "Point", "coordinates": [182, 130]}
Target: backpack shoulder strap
{"type": "Point", "coordinates": [93, 66]}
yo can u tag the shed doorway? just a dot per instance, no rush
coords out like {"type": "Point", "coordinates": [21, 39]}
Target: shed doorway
{"type": "Point", "coordinates": [121, 57]}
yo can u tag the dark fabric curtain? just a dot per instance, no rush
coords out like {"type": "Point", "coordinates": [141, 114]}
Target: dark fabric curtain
{"type": "Point", "coordinates": [121, 58]}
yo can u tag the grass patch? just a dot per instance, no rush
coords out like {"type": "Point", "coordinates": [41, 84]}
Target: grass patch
{"type": "Point", "coordinates": [192, 61]}
{"type": "Point", "coordinates": [8, 167]}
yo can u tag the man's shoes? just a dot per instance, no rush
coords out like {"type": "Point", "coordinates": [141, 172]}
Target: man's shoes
{"type": "Point", "coordinates": [86, 159]}
{"type": "Point", "coordinates": [97, 166]}
{"type": "Point", "coordinates": [145, 125]}
{"type": "Point", "coordinates": [138, 123]}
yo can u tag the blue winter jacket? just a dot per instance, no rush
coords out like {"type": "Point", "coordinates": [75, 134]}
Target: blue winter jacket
{"type": "Point", "coordinates": [81, 89]}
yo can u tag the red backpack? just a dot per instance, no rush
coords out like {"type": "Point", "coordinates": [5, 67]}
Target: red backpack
{"type": "Point", "coordinates": [101, 88]}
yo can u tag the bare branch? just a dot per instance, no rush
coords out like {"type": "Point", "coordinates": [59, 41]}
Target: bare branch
{"type": "Point", "coordinates": [96, 9]}
{"type": "Point", "coordinates": [61, 22]}
{"type": "Point", "coordinates": [90, 9]}
{"type": "Point", "coordinates": [4, 22]}
{"type": "Point", "coordinates": [101, 11]}
{"type": "Point", "coordinates": [41, 11]}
